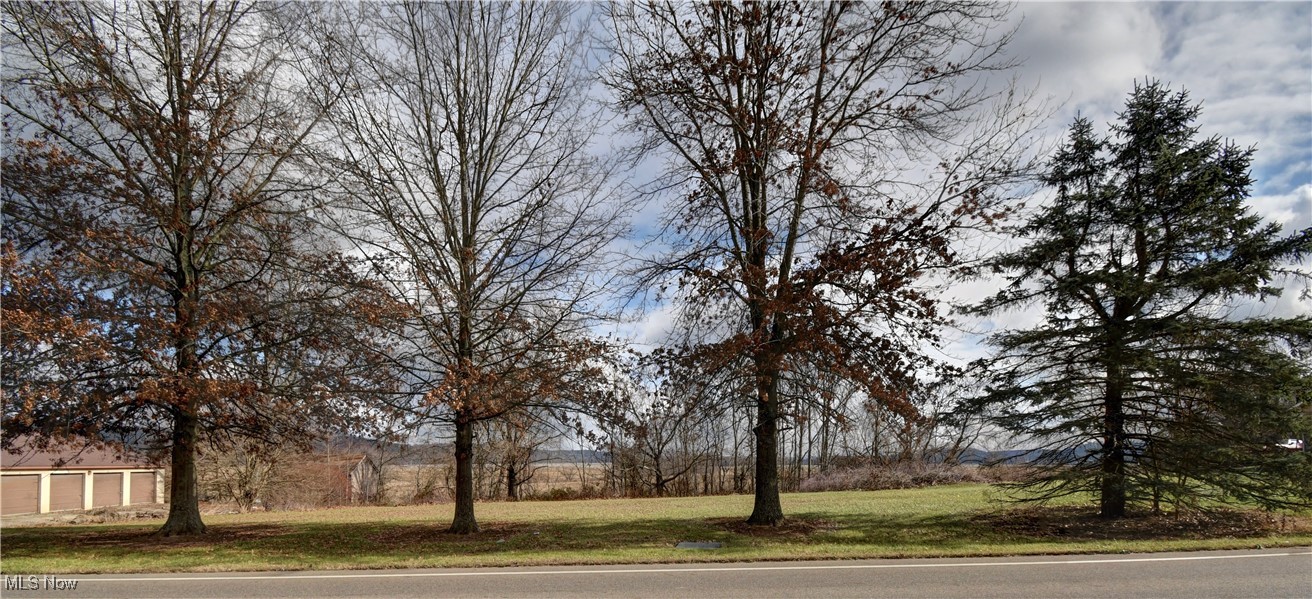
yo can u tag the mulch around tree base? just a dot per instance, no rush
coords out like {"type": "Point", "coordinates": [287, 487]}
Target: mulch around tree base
{"type": "Point", "coordinates": [1083, 522]}
{"type": "Point", "coordinates": [790, 527]}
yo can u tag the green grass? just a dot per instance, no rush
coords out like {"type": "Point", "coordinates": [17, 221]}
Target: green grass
{"type": "Point", "coordinates": [937, 521]}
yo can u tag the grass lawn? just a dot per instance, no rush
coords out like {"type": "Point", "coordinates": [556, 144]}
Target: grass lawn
{"type": "Point", "coordinates": [938, 521]}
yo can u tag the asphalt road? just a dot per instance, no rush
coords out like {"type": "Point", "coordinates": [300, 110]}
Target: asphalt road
{"type": "Point", "coordinates": [1268, 573]}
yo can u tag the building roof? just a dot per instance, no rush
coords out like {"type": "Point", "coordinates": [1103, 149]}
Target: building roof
{"type": "Point", "coordinates": [69, 456]}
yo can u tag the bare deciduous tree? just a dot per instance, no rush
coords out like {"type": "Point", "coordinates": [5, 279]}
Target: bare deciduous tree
{"type": "Point", "coordinates": [803, 138]}
{"type": "Point", "coordinates": [467, 180]}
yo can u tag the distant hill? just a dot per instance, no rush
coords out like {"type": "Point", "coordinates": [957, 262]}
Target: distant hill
{"type": "Point", "coordinates": [429, 453]}
{"type": "Point", "coordinates": [975, 455]}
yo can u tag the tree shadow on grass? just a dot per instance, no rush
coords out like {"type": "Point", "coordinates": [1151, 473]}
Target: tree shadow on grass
{"type": "Point", "coordinates": [126, 541]}
{"type": "Point", "coordinates": [346, 543]}
{"type": "Point", "coordinates": [939, 532]}
{"type": "Point", "coordinates": [410, 544]}
{"type": "Point", "coordinates": [1083, 523]}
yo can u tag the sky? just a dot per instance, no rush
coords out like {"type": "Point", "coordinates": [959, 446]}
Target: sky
{"type": "Point", "coordinates": [1250, 64]}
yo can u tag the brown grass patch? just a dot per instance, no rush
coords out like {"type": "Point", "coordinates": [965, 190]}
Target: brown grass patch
{"type": "Point", "coordinates": [1083, 523]}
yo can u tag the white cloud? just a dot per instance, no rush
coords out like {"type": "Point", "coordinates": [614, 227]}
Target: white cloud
{"type": "Point", "coordinates": [1088, 55]}
{"type": "Point", "coordinates": [645, 330]}
{"type": "Point", "coordinates": [1292, 210]}
{"type": "Point", "coordinates": [1251, 65]}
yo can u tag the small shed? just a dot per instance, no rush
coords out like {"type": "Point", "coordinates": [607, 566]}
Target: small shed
{"type": "Point", "coordinates": [74, 478]}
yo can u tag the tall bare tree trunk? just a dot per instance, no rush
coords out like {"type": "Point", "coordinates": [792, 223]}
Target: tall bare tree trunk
{"type": "Point", "coordinates": [825, 414]}
{"type": "Point", "coordinates": [766, 509]}
{"type": "Point", "coordinates": [184, 508]}
{"type": "Point", "coordinates": [464, 522]}
{"type": "Point", "coordinates": [184, 501]}
{"type": "Point", "coordinates": [737, 476]}
{"type": "Point", "coordinates": [512, 484]}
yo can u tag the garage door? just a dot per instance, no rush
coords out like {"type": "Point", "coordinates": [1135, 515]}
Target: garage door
{"type": "Point", "coordinates": [65, 492]}
{"type": "Point", "coordinates": [19, 494]}
{"type": "Point", "coordinates": [108, 489]}
{"type": "Point", "coordinates": [143, 487]}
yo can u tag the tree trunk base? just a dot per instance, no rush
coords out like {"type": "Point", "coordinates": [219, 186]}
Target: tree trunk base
{"type": "Point", "coordinates": [1111, 513]}
{"type": "Point", "coordinates": [182, 523]}
{"type": "Point", "coordinates": [766, 512]}
{"type": "Point", "coordinates": [463, 528]}
{"type": "Point", "coordinates": [767, 520]}
{"type": "Point", "coordinates": [464, 522]}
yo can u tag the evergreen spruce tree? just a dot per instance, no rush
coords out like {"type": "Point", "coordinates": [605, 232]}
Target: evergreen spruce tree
{"type": "Point", "coordinates": [1149, 383]}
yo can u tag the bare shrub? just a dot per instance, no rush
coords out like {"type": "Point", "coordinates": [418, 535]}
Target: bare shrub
{"type": "Point", "coordinates": [571, 493]}
{"type": "Point", "coordinates": [308, 484]}
{"type": "Point", "coordinates": [1008, 473]}
{"type": "Point", "coordinates": [429, 485]}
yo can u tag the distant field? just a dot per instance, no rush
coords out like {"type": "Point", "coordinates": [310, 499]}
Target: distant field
{"type": "Point", "coordinates": [938, 521]}
{"type": "Point", "coordinates": [410, 483]}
